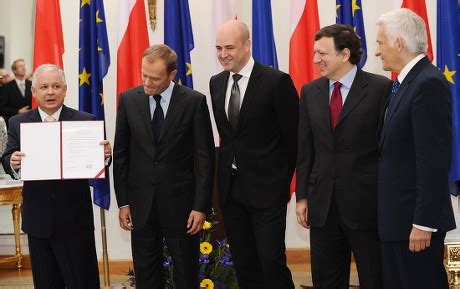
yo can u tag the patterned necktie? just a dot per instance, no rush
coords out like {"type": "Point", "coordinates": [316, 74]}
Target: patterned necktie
{"type": "Point", "coordinates": [158, 118]}
{"type": "Point", "coordinates": [49, 118]}
{"type": "Point", "coordinates": [336, 104]}
{"type": "Point", "coordinates": [394, 91]}
{"type": "Point", "coordinates": [234, 102]}
{"type": "Point", "coordinates": [22, 87]}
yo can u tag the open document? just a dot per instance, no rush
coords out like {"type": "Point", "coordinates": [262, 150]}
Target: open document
{"type": "Point", "coordinates": [62, 150]}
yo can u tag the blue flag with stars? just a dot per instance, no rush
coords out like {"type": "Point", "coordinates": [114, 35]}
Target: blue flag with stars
{"type": "Point", "coordinates": [94, 61]}
{"type": "Point", "coordinates": [179, 36]}
{"type": "Point", "coordinates": [448, 61]}
{"type": "Point", "coordinates": [350, 12]}
{"type": "Point", "coordinates": [263, 41]}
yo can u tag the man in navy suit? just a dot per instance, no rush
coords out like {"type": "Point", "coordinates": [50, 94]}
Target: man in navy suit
{"type": "Point", "coordinates": [57, 215]}
{"type": "Point", "coordinates": [415, 143]}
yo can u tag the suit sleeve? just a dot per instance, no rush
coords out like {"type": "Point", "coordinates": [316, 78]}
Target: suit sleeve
{"type": "Point", "coordinates": [121, 152]}
{"type": "Point", "coordinates": [12, 145]}
{"type": "Point", "coordinates": [287, 112]}
{"type": "Point", "coordinates": [432, 129]}
{"type": "Point", "coordinates": [204, 154]}
{"type": "Point", "coordinates": [305, 155]}
{"type": "Point", "coordinates": [6, 108]}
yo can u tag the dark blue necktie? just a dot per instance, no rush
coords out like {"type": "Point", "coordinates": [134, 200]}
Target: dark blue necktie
{"type": "Point", "coordinates": [394, 91]}
{"type": "Point", "coordinates": [158, 118]}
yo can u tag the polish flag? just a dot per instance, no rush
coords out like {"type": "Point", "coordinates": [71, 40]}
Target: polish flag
{"type": "Point", "coordinates": [304, 24]}
{"type": "Point", "coordinates": [48, 42]}
{"type": "Point", "coordinates": [223, 10]}
{"type": "Point", "coordinates": [419, 7]}
{"type": "Point", "coordinates": [133, 40]}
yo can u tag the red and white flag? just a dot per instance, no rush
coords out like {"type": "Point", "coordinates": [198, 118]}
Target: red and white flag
{"type": "Point", "coordinates": [48, 42]}
{"type": "Point", "coordinates": [133, 39]}
{"type": "Point", "coordinates": [223, 10]}
{"type": "Point", "coordinates": [304, 24]}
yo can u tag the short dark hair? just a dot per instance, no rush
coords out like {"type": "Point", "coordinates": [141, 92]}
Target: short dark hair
{"type": "Point", "coordinates": [344, 37]}
{"type": "Point", "coordinates": [163, 52]}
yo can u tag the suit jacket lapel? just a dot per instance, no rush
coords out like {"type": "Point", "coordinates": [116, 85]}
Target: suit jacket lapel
{"type": "Point", "coordinates": [321, 95]}
{"type": "Point", "coordinates": [400, 95]}
{"type": "Point", "coordinates": [174, 105]}
{"type": "Point", "coordinates": [251, 90]}
{"type": "Point", "coordinates": [34, 115]}
{"type": "Point", "coordinates": [221, 90]}
{"type": "Point", "coordinates": [355, 95]}
{"type": "Point", "coordinates": [143, 106]}
{"type": "Point", "coordinates": [66, 114]}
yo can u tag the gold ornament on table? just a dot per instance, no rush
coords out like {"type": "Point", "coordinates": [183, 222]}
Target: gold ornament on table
{"type": "Point", "coordinates": [453, 264]}
{"type": "Point", "coordinates": [153, 13]}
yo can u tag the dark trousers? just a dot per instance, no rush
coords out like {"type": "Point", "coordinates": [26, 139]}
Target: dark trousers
{"type": "Point", "coordinates": [403, 269]}
{"type": "Point", "coordinates": [147, 249]}
{"type": "Point", "coordinates": [64, 262]}
{"type": "Point", "coordinates": [256, 238]}
{"type": "Point", "coordinates": [331, 246]}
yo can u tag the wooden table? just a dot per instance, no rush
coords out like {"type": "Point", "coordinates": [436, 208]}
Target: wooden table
{"type": "Point", "coordinates": [11, 194]}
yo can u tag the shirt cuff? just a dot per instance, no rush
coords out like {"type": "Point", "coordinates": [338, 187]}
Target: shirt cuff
{"type": "Point", "coordinates": [125, 206]}
{"type": "Point", "coordinates": [423, 228]}
{"type": "Point", "coordinates": [16, 175]}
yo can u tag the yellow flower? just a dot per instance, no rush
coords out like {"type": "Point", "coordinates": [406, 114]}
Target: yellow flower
{"type": "Point", "coordinates": [205, 248]}
{"type": "Point", "coordinates": [207, 225]}
{"type": "Point", "coordinates": [207, 283]}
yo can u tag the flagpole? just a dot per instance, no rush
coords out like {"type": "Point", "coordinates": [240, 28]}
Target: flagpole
{"type": "Point", "coordinates": [105, 256]}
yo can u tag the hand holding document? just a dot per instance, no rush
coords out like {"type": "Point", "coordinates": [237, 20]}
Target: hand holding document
{"type": "Point", "coordinates": [62, 150]}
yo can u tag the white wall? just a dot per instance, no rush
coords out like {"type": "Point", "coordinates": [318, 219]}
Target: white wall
{"type": "Point", "coordinates": [203, 67]}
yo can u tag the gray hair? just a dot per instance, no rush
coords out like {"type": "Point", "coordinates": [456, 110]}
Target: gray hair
{"type": "Point", "coordinates": [405, 24]}
{"type": "Point", "coordinates": [47, 68]}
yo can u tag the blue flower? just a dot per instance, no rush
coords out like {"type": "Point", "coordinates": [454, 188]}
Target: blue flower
{"type": "Point", "coordinates": [168, 262]}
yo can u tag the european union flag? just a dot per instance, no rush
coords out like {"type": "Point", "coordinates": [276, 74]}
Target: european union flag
{"type": "Point", "coordinates": [179, 36]}
{"type": "Point", "coordinates": [448, 61]}
{"type": "Point", "coordinates": [93, 65]}
{"type": "Point", "coordinates": [350, 12]}
{"type": "Point", "coordinates": [263, 42]}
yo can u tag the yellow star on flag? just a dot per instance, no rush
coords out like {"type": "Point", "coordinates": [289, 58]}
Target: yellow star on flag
{"type": "Point", "coordinates": [189, 69]}
{"type": "Point", "coordinates": [337, 6]}
{"type": "Point", "coordinates": [84, 77]}
{"type": "Point", "coordinates": [84, 2]}
{"type": "Point", "coordinates": [102, 98]}
{"type": "Point", "coordinates": [354, 7]}
{"type": "Point", "coordinates": [449, 74]}
{"type": "Point", "coordinates": [98, 20]}
{"type": "Point", "coordinates": [179, 82]}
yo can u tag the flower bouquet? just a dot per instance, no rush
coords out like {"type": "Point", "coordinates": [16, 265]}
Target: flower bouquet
{"type": "Point", "coordinates": [216, 266]}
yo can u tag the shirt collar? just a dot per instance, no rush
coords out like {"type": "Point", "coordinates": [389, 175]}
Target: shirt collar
{"type": "Point", "coordinates": [247, 69]}
{"type": "Point", "coordinates": [347, 79]}
{"type": "Point", "coordinates": [406, 69]}
{"type": "Point", "coordinates": [55, 115]}
{"type": "Point", "coordinates": [19, 81]}
{"type": "Point", "coordinates": [167, 93]}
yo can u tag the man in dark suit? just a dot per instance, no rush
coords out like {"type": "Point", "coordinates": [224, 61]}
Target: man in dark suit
{"type": "Point", "coordinates": [16, 96]}
{"type": "Point", "coordinates": [337, 162]}
{"type": "Point", "coordinates": [256, 112]}
{"type": "Point", "coordinates": [415, 144]}
{"type": "Point", "coordinates": [57, 215]}
{"type": "Point", "coordinates": [163, 170]}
